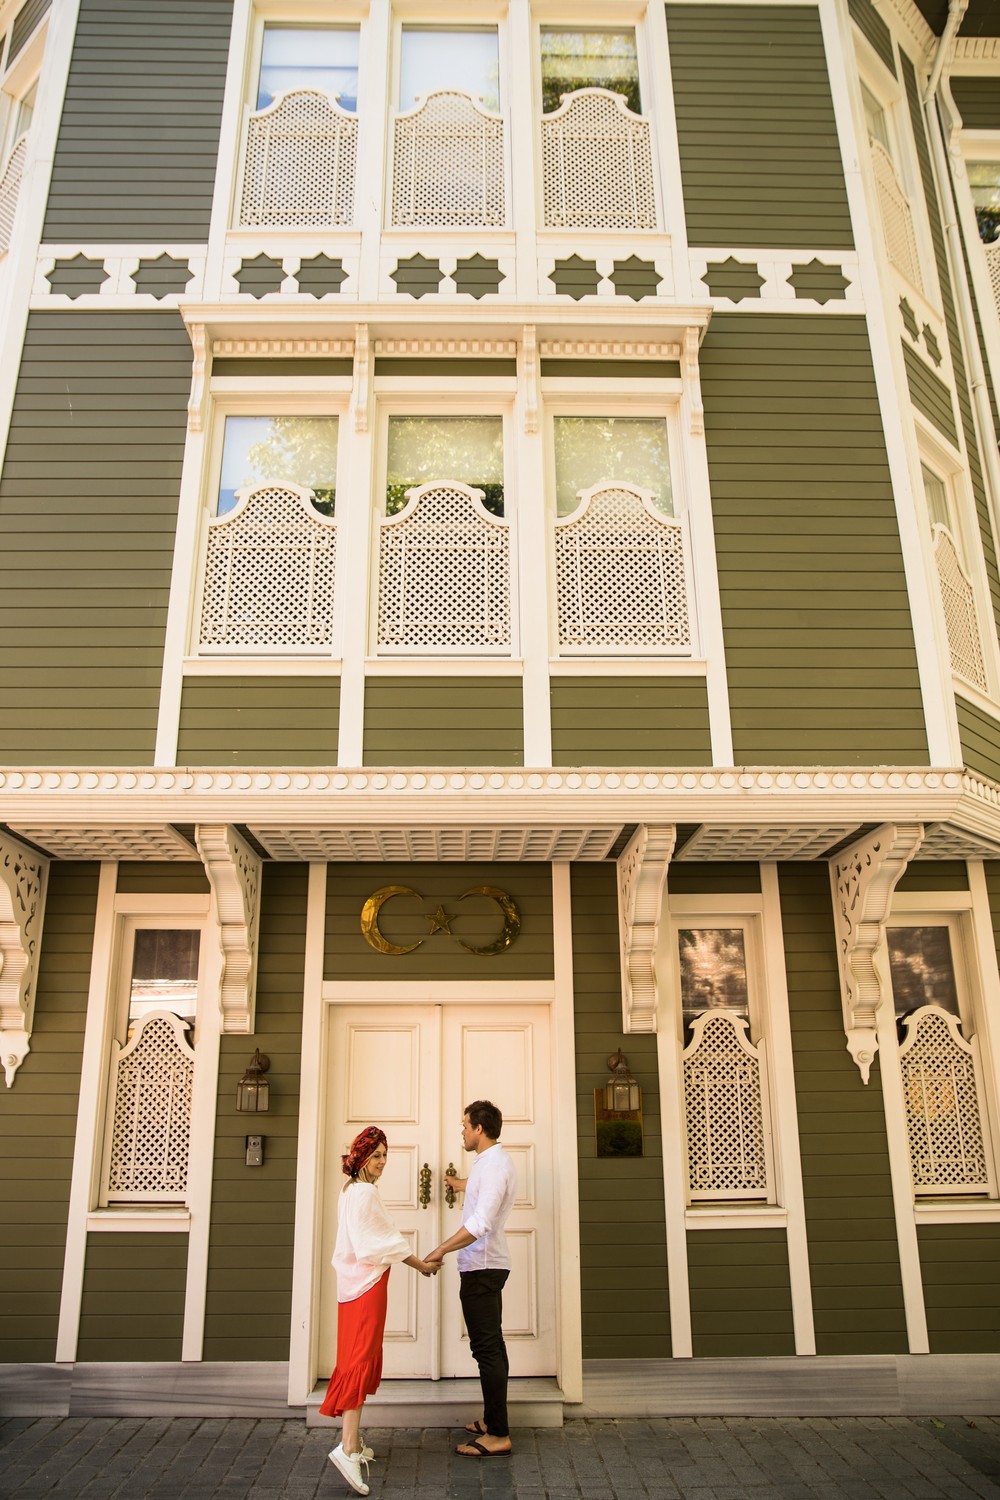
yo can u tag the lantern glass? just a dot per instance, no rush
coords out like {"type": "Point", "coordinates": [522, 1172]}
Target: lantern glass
{"type": "Point", "coordinates": [252, 1091]}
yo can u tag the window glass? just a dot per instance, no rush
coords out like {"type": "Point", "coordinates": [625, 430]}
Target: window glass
{"type": "Point", "coordinates": [281, 450]}
{"type": "Point", "coordinates": [984, 180]}
{"type": "Point", "coordinates": [631, 449]}
{"type": "Point", "coordinates": [164, 973]}
{"type": "Point", "coordinates": [713, 971]}
{"type": "Point", "coordinates": [878, 125]}
{"type": "Point", "coordinates": [937, 498]}
{"type": "Point", "coordinates": [922, 969]}
{"type": "Point", "coordinates": [440, 57]}
{"type": "Point", "coordinates": [422, 449]}
{"type": "Point", "coordinates": [305, 57]}
{"type": "Point", "coordinates": [574, 60]}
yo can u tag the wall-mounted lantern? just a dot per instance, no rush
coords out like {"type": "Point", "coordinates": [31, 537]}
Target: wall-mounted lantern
{"type": "Point", "coordinates": [618, 1111]}
{"type": "Point", "coordinates": [252, 1090]}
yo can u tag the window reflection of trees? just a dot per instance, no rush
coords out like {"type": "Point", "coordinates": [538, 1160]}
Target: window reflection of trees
{"type": "Point", "coordinates": [922, 969]}
{"type": "Point", "coordinates": [713, 971]}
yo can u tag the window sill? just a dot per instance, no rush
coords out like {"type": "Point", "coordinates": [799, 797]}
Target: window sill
{"type": "Point", "coordinates": [982, 1211]}
{"type": "Point", "coordinates": [139, 1221]}
{"type": "Point", "coordinates": [737, 1216]}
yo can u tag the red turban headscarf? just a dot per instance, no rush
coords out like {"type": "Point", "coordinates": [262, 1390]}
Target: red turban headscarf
{"type": "Point", "coordinates": [361, 1148]}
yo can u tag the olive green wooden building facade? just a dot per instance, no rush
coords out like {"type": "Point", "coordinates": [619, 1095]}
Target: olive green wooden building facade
{"type": "Point", "coordinates": [540, 470]}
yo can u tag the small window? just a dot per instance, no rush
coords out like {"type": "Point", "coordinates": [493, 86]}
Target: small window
{"type": "Point", "coordinates": [306, 57]}
{"type": "Point", "coordinates": [984, 181]}
{"type": "Point", "coordinates": [164, 974]}
{"type": "Point", "coordinates": [280, 450]}
{"type": "Point", "coordinates": [936, 492]}
{"type": "Point", "coordinates": [875, 119]}
{"type": "Point", "coordinates": [589, 59]}
{"type": "Point", "coordinates": [631, 450]}
{"type": "Point", "coordinates": [442, 57]}
{"type": "Point", "coordinates": [922, 969]}
{"type": "Point", "coordinates": [424, 449]}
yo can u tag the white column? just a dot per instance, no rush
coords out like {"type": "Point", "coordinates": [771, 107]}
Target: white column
{"type": "Point", "coordinates": [533, 527]}
{"type": "Point", "coordinates": [355, 541]}
{"type": "Point", "coordinates": [673, 1138]}
{"type": "Point", "coordinates": [373, 137]}
{"type": "Point", "coordinates": [522, 137]}
{"type": "Point", "coordinates": [570, 1311]}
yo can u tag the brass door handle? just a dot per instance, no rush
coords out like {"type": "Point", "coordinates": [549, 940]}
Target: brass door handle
{"type": "Point", "coordinates": [424, 1190]}
{"type": "Point", "coordinates": [449, 1192]}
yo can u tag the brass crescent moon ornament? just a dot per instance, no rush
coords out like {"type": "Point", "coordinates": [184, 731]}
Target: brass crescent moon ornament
{"type": "Point", "coordinates": [511, 920]}
{"type": "Point", "coordinates": [370, 915]}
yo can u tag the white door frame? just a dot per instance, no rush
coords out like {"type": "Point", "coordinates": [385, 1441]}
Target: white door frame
{"type": "Point", "coordinates": [319, 994]}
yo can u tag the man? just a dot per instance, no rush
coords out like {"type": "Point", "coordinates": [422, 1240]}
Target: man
{"type": "Point", "coordinates": [484, 1265]}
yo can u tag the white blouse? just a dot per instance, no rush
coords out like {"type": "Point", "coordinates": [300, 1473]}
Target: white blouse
{"type": "Point", "coordinates": [367, 1241]}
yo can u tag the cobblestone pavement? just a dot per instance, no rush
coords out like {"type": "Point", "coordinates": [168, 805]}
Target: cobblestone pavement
{"type": "Point", "coordinates": [707, 1458]}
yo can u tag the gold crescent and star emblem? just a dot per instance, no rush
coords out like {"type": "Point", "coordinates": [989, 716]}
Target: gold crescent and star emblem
{"type": "Point", "coordinates": [440, 920]}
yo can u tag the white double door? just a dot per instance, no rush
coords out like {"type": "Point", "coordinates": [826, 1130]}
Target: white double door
{"type": "Point", "coordinates": [412, 1069]}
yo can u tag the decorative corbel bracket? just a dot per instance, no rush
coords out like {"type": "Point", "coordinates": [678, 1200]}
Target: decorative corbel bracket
{"type": "Point", "coordinates": [23, 876]}
{"type": "Point", "coordinates": [642, 876]}
{"type": "Point", "coordinates": [692, 381]}
{"type": "Point", "coordinates": [362, 377]}
{"type": "Point", "coordinates": [863, 878]}
{"type": "Point", "coordinates": [529, 377]}
{"type": "Point", "coordinates": [199, 365]}
{"type": "Point", "coordinates": [234, 871]}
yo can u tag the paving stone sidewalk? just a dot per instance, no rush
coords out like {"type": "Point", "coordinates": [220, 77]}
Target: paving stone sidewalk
{"type": "Point", "coordinates": [706, 1458]}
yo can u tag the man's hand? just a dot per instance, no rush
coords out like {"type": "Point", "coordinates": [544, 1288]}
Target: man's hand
{"type": "Point", "coordinates": [436, 1258]}
{"type": "Point", "coordinates": [457, 1184]}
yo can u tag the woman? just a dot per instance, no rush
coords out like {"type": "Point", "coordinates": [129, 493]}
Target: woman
{"type": "Point", "coordinates": [367, 1244]}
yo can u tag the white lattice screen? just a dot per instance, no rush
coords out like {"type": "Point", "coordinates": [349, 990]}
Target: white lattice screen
{"type": "Point", "coordinates": [10, 187]}
{"type": "Point", "coordinates": [959, 603]}
{"type": "Point", "coordinates": [448, 164]}
{"type": "Point", "coordinates": [150, 1114]}
{"type": "Point", "coordinates": [444, 573]}
{"type": "Point", "coordinates": [269, 572]}
{"type": "Point", "coordinates": [897, 217]}
{"type": "Point", "coordinates": [301, 161]}
{"type": "Point", "coordinates": [944, 1120]}
{"type": "Point", "coordinates": [597, 164]}
{"type": "Point", "coordinates": [621, 580]}
{"type": "Point", "coordinates": [725, 1108]}
{"type": "Point", "coordinates": [993, 266]}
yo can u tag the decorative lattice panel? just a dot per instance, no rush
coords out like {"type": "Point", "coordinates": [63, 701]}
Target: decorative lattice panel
{"type": "Point", "coordinates": [944, 1120]}
{"type": "Point", "coordinates": [444, 573]}
{"type": "Point", "coordinates": [10, 187]}
{"type": "Point", "coordinates": [448, 164]}
{"type": "Point", "coordinates": [151, 1113]}
{"type": "Point", "coordinates": [959, 603]}
{"type": "Point", "coordinates": [993, 266]}
{"type": "Point", "coordinates": [724, 1106]}
{"type": "Point", "coordinates": [897, 217]}
{"type": "Point", "coordinates": [597, 164]}
{"type": "Point", "coordinates": [301, 161]}
{"type": "Point", "coordinates": [620, 574]}
{"type": "Point", "coordinates": [269, 572]}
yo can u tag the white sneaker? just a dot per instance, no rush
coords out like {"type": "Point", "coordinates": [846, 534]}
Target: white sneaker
{"type": "Point", "coordinates": [368, 1454]}
{"type": "Point", "coordinates": [349, 1465]}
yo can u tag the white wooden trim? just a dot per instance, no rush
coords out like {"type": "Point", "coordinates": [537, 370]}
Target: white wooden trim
{"type": "Point", "coordinates": [532, 559]}
{"type": "Point", "coordinates": [303, 1348]}
{"type": "Point", "coordinates": [673, 1140]}
{"type": "Point", "coordinates": [985, 998]}
{"type": "Point", "coordinates": [230, 144]}
{"type": "Point", "coordinates": [761, 1216]}
{"type": "Point", "coordinates": [890, 378]}
{"type": "Point", "coordinates": [784, 1106]}
{"type": "Point", "coordinates": [142, 904]}
{"type": "Point", "coordinates": [930, 901]}
{"type": "Point", "coordinates": [982, 1212]}
{"type": "Point", "coordinates": [374, 125]}
{"type": "Point", "coordinates": [184, 575]}
{"type": "Point", "coordinates": [201, 1163]}
{"type": "Point", "coordinates": [517, 42]}
{"type": "Point", "coordinates": [565, 1159]}
{"type": "Point", "coordinates": [133, 1221]}
{"type": "Point", "coordinates": [355, 454]}
{"type": "Point", "coordinates": [440, 992]}
{"type": "Point", "coordinates": [659, 88]}
{"type": "Point", "coordinates": [89, 1120]}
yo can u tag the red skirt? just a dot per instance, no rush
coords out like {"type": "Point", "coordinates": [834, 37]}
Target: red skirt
{"type": "Point", "coordinates": [360, 1326]}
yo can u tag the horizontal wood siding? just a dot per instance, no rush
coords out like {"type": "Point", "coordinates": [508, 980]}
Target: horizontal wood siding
{"type": "Point", "coordinates": [845, 1162]}
{"type": "Point", "coordinates": [620, 720]}
{"type": "Point", "coordinates": [444, 721]}
{"type": "Point", "coordinates": [623, 1265]}
{"type": "Point", "coordinates": [406, 919]}
{"type": "Point", "coordinates": [819, 643]}
{"type": "Point", "coordinates": [259, 721]}
{"type": "Point", "coordinates": [88, 506]}
{"type": "Point", "coordinates": [930, 395]}
{"type": "Point", "coordinates": [156, 879]}
{"type": "Point", "coordinates": [960, 1264]}
{"type": "Point", "coordinates": [38, 1124]}
{"type": "Point", "coordinates": [25, 23]}
{"type": "Point", "coordinates": [979, 734]}
{"type": "Point", "coordinates": [929, 875]}
{"type": "Point", "coordinates": [741, 1299]}
{"type": "Point", "coordinates": [871, 25]}
{"type": "Point", "coordinates": [248, 1308]}
{"type": "Point", "coordinates": [760, 160]}
{"type": "Point", "coordinates": [962, 389]}
{"type": "Point", "coordinates": [978, 101]}
{"type": "Point", "coordinates": [136, 154]}
{"type": "Point", "coordinates": [133, 1298]}
{"type": "Point", "coordinates": [713, 879]}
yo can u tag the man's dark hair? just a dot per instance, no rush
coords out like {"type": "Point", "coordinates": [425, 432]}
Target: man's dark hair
{"type": "Point", "coordinates": [482, 1112]}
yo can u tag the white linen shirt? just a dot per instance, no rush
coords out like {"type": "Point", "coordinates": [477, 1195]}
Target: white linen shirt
{"type": "Point", "coordinates": [489, 1198]}
{"type": "Point", "coordinates": [367, 1241]}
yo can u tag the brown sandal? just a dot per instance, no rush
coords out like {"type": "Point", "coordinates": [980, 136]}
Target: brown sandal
{"type": "Point", "coordinates": [479, 1428]}
{"type": "Point", "coordinates": [464, 1450]}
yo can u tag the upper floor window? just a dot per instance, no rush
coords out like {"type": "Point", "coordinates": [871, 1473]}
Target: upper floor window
{"type": "Point", "coordinates": [589, 59]}
{"type": "Point", "coordinates": [589, 450]}
{"type": "Point", "coordinates": [425, 449]}
{"type": "Point", "coordinates": [895, 209]}
{"type": "Point", "coordinates": [309, 57]}
{"type": "Point", "coordinates": [955, 581]}
{"type": "Point", "coordinates": [282, 450]}
{"type": "Point", "coordinates": [447, 57]}
{"type": "Point", "coordinates": [20, 63]}
{"type": "Point", "coordinates": [984, 182]}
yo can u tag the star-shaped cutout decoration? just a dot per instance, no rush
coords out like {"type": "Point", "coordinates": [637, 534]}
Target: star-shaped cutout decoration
{"type": "Point", "coordinates": [734, 279]}
{"type": "Point", "coordinates": [76, 277]}
{"type": "Point", "coordinates": [162, 276]}
{"type": "Point", "coordinates": [419, 276]}
{"type": "Point", "coordinates": [440, 922]}
{"type": "Point", "coordinates": [909, 318]}
{"type": "Point", "coordinates": [819, 282]}
{"type": "Point", "coordinates": [635, 278]}
{"type": "Point", "coordinates": [576, 278]}
{"type": "Point", "coordinates": [261, 275]}
{"type": "Point", "coordinates": [478, 276]}
{"type": "Point", "coordinates": [321, 275]}
{"type": "Point", "coordinates": [931, 344]}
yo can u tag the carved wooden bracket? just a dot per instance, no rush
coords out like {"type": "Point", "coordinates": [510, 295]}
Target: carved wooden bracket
{"type": "Point", "coordinates": [233, 871]}
{"type": "Point", "coordinates": [863, 879]}
{"type": "Point", "coordinates": [23, 876]}
{"type": "Point", "coordinates": [199, 365]}
{"type": "Point", "coordinates": [642, 875]}
{"type": "Point", "coordinates": [692, 378]}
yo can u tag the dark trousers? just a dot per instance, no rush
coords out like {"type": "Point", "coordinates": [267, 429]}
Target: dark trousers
{"type": "Point", "coordinates": [482, 1307]}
